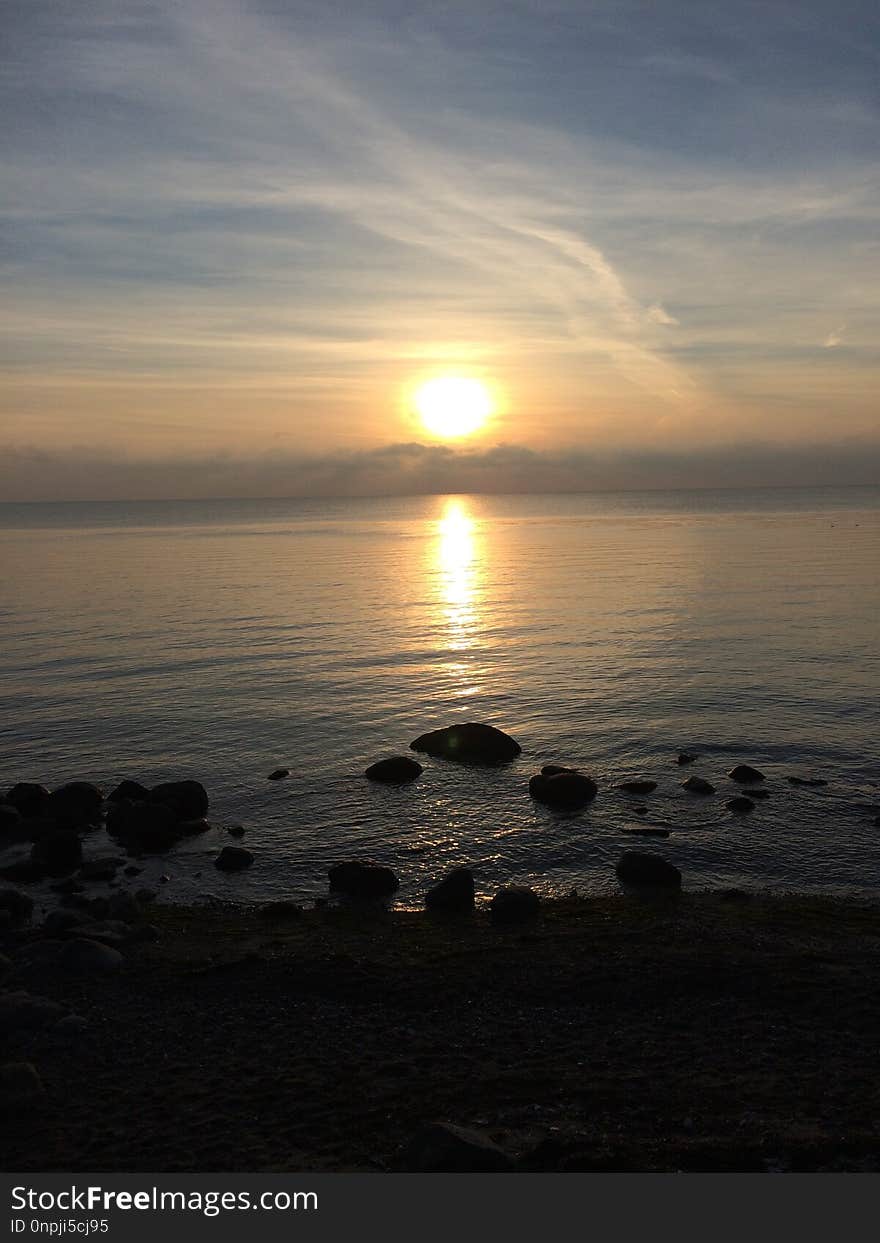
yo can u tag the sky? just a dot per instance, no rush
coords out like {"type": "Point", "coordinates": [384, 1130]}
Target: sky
{"type": "Point", "coordinates": [236, 235]}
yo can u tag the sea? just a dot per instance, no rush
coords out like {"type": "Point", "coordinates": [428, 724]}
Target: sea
{"type": "Point", "coordinates": [221, 640]}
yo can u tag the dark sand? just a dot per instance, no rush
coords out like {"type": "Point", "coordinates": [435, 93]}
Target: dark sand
{"type": "Point", "coordinates": [691, 1034]}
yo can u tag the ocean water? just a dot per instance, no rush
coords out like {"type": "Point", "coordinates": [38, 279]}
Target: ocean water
{"type": "Point", "coordinates": [220, 640]}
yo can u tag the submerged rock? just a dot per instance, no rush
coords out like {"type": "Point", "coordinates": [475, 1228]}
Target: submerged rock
{"type": "Point", "coordinates": [454, 892]}
{"type": "Point", "coordinates": [638, 787]}
{"type": "Point", "coordinates": [807, 781]}
{"type": "Point", "coordinates": [469, 743]}
{"type": "Point", "coordinates": [685, 758]}
{"type": "Point", "coordinates": [278, 774]}
{"type": "Point", "coordinates": [394, 770]}
{"type": "Point", "coordinates": [740, 804]}
{"type": "Point", "coordinates": [514, 904]}
{"type": "Point", "coordinates": [566, 788]}
{"type": "Point", "coordinates": [643, 869]}
{"type": "Point", "coordinates": [233, 859]}
{"type": "Point", "coordinates": [745, 773]}
{"type": "Point", "coordinates": [363, 879]}
{"type": "Point", "coordinates": [698, 785]}
{"type": "Point", "coordinates": [441, 1148]}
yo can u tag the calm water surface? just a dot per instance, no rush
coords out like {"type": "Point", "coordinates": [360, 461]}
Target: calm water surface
{"type": "Point", "coordinates": [220, 640]}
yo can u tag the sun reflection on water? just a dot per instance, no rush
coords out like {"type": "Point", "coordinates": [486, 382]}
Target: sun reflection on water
{"type": "Point", "coordinates": [457, 578]}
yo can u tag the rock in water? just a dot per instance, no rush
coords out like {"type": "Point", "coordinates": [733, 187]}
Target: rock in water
{"type": "Point", "coordinates": [514, 904]}
{"type": "Point", "coordinates": [363, 879]}
{"type": "Point", "coordinates": [233, 859]}
{"type": "Point", "coordinates": [440, 1148]}
{"type": "Point", "coordinates": [643, 869]}
{"type": "Point", "coordinates": [187, 799]}
{"type": "Point", "coordinates": [131, 790]}
{"type": "Point", "coordinates": [278, 774]}
{"type": "Point", "coordinates": [698, 785]}
{"type": "Point", "coordinates": [28, 798]}
{"type": "Point", "coordinates": [685, 758]}
{"type": "Point", "coordinates": [78, 802]}
{"type": "Point", "coordinates": [395, 770]}
{"type": "Point", "coordinates": [454, 893]}
{"type": "Point", "coordinates": [745, 773]}
{"type": "Point", "coordinates": [58, 853]}
{"type": "Point", "coordinates": [740, 804]}
{"type": "Point", "coordinates": [638, 787]}
{"type": "Point", "coordinates": [148, 827]}
{"type": "Point", "coordinates": [565, 789]}
{"type": "Point", "coordinates": [807, 781]}
{"type": "Point", "coordinates": [469, 743]}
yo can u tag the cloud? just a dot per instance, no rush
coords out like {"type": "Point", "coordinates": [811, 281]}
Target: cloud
{"type": "Point", "coordinates": [834, 338]}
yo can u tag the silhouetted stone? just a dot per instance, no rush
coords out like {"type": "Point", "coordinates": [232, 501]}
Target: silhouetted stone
{"type": "Point", "coordinates": [564, 789]}
{"type": "Point", "coordinates": [282, 909]}
{"type": "Point", "coordinates": [642, 869]}
{"type": "Point", "coordinates": [235, 830]}
{"type": "Point", "coordinates": [58, 853]}
{"type": "Point", "coordinates": [469, 743]}
{"type": "Point", "coordinates": [363, 879]}
{"type": "Point", "coordinates": [698, 785]}
{"type": "Point", "coordinates": [10, 819]}
{"type": "Point", "coordinates": [278, 774]}
{"type": "Point", "coordinates": [59, 922]}
{"type": "Point", "coordinates": [19, 905]}
{"type": "Point", "coordinates": [514, 904]}
{"type": "Point", "coordinates": [745, 774]}
{"type": "Point", "coordinates": [233, 859]}
{"type": "Point", "coordinates": [148, 827]}
{"type": "Point", "coordinates": [87, 957]}
{"type": "Point", "coordinates": [77, 803]}
{"type": "Point", "coordinates": [740, 804]}
{"type": "Point", "coordinates": [132, 790]}
{"type": "Point", "coordinates": [638, 787]}
{"type": "Point", "coordinates": [394, 770]}
{"type": "Point", "coordinates": [454, 892]}
{"type": "Point", "coordinates": [807, 781]}
{"type": "Point", "coordinates": [187, 799]}
{"type": "Point", "coordinates": [685, 758]}
{"type": "Point", "coordinates": [441, 1148]}
{"type": "Point", "coordinates": [29, 798]}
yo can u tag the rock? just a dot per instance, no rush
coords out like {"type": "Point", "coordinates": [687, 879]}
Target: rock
{"type": "Point", "coordinates": [148, 827]}
{"type": "Point", "coordinates": [565, 789]}
{"type": "Point", "coordinates": [22, 1012]}
{"type": "Point", "coordinates": [188, 800]}
{"type": "Point", "coordinates": [685, 758]}
{"type": "Point", "coordinates": [638, 787]}
{"type": "Point", "coordinates": [395, 770]}
{"type": "Point", "coordinates": [19, 905]}
{"type": "Point", "coordinates": [132, 870]}
{"type": "Point", "coordinates": [454, 892]}
{"type": "Point", "coordinates": [553, 770]}
{"type": "Point", "coordinates": [189, 828]}
{"type": "Point", "coordinates": [807, 781]}
{"type": "Point", "coordinates": [236, 830]}
{"type": "Point", "coordinates": [24, 871]}
{"type": "Point", "coordinates": [740, 804]}
{"type": "Point", "coordinates": [10, 819]}
{"type": "Point", "coordinates": [58, 923]}
{"type": "Point", "coordinates": [28, 798]}
{"type": "Point", "coordinates": [278, 774]}
{"type": "Point", "coordinates": [70, 1027]}
{"type": "Point", "coordinates": [124, 907]}
{"type": "Point", "coordinates": [131, 790]}
{"type": "Point", "coordinates": [58, 853]}
{"type": "Point", "coordinates": [647, 832]}
{"type": "Point", "coordinates": [468, 743]}
{"type": "Point", "coordinates": [21, 1088]}
{"type": "Point", "coordinates": [514, 904]}
{"type": "Point", "coordinates": [441, 1148]}
{"type": "Point", "coordinates": [698, 785]}
{"type": "Point", "coordinates": [363, 879]}
{"type": "Point", "coordinates": [745, 774]}
{"type": "Point", "coordinates": [233, 859]}
{"type": "Point", "coordinates": [74, 804]}
{"type": "Point", "coordinates": [641, 869]}
{"type": "Point", "coordinates": [283, 908]}
{"type": "Point", "coordinates": [87, 957]}
{"type": "Point", "coordinates": [99, 869]}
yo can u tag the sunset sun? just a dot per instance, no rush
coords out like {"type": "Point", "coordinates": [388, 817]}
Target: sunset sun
{"type": "Point", "coordinates": [453, 406]}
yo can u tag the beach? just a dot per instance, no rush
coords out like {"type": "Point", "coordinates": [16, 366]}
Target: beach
{"type": "Point", "coordinates": [694, 1031]}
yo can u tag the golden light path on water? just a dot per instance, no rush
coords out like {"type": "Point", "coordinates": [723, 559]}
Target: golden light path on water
{"type": "Point", "coordinates": [459, 581]}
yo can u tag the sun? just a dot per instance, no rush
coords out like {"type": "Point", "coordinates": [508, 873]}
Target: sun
{"type": "Point", "coordinates": [453, 406]}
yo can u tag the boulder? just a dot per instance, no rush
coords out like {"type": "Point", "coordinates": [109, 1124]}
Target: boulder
{"type": "Point", "coordinates": [638, 787]}
{"type": "Point", "coordinates": [740, 804]}
{"type": "Point", "coordinates": [440, 1148]}
{"type": "Point", "coordinates": [363, 879]}
{"type": "Point", "coordinates": [77, 803]}
{"type": "Point", "coordinates": [233, 859]}
{"type": "Point", "coordinates": [19, 905]}
{"type": "Point", "coordinates": [685, 758]}
{"type": "Point", "coordinates": [21, 1088]}
{"type": "Point", "coordinates": [566, 789]}
{"type": "Point", "coordinates": [698, 785]}
{"type": "Point", "coordinates": [395, 770]}
{"type": "Point", "coordinates": [278, 774]}
{"type": "Point", "coordinates": [28, 798]}
{"type": "Point", "coordinates": [132, 790]}
{"type": "Point", "coordinates": [58, 853]}
{"type": "Point", "coordinates": [745, 773]}
{"type": "Point", "coordinates": [148, 827]}
{"type": "Point", "coordinates": [642, 869]}
{"type": "Point", "coordinates": [454, 892]}
{"type": "Point", "coordinates": [188, 800]}
{"type": "Point", "coordinates": [87, 957]}
{"type": "Point", "coordinates": [553, 770]}
{"type": "Point", "coordinates": [468, 743]}
{"type": "Point", "coordinates": [514, 904]}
